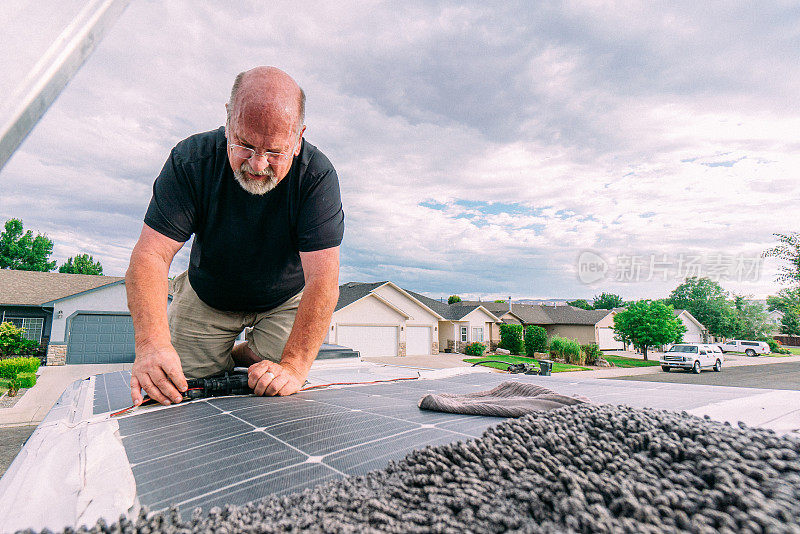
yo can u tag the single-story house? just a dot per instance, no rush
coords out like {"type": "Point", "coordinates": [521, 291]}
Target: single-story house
{"type": "Point", "coordinates": [585, 326]}
{"type": "Point", "coordinates": [79, 318]}
{"type": "Point", "coordinates": [462, 324]}
{"type": "Point", "coordinates": [383, 319]}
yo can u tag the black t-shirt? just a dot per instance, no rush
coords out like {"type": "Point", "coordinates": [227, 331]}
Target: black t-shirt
{"type": "Point", "coordinates": [245, 255]}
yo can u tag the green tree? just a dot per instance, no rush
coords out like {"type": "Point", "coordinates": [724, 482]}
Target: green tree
{"type": "Point", "coordinates": [22, 251]}
{"type": "Point", "coordinates": [786, 301]}
{"type": "Point", "coordinates": [452, 299]}
{"type": "Point", "coordinates": [607, 301]}
{"type": "Point", "coordinates": [648, 323]}
{"type": "Point", "coordinates": [580, 303]}
{"type": "Point", "coordinates": [500, 301]}
{"type": "Point", "coordinates": [707, 302]}
{"type": "Point", "coordinates": [535, 340]}
{"type": "Point", "coordinates": [751, 320]}
{"type": "Point", "coordinates": [790, 324]}
{"type": "Point", "coordinates": [789, 251]}
{"type": "Point", "coordinates": [81, 264]}
{"type": "Point", "coordinates": [511, 338]}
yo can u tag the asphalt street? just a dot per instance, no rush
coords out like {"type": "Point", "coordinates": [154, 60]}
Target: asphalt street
{"type": "Point", "coordinates": [773, 376]}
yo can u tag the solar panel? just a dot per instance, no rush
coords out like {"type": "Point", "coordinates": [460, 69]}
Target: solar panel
{"type": "Point", "coordinates": [234, 450]}
{"type": "Point", "coordinates": [112, 392]}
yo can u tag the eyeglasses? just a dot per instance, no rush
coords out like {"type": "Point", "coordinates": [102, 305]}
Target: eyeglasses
{"type": "Point", "coordinates": [244, 152]}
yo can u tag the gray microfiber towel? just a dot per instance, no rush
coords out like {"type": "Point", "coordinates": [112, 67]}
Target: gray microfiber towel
{"type": "Point", "coordinates": [509, 399]}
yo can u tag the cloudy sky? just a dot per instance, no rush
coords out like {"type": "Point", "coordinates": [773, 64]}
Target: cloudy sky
{"type": "Point", "coordinates": [485, 149]}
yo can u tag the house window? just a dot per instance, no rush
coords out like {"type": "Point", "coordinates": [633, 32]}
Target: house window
{"type": "Point", "coordinates": [464, 334]}
{"type": "Point", "coordinates": [477, 334]}
{"type": "Point", "coordinates": [32, 327]}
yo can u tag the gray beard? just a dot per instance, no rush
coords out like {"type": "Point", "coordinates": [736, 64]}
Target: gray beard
{"type": "Point", "coordinates": [255, 187]}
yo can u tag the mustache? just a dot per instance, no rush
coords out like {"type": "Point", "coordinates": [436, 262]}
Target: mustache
{"type": "Point", "coordinates": [245, 167]}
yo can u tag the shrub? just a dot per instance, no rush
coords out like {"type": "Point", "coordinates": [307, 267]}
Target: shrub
{"type": "Point", "coordinates": [12, 340]}
{"type": "Point", "coordinates": [775, 346]}
{"type": "Point", "coordinates": [474, 349]}
{"type": "Point", "coordinates": [557, 347]}
{"type": "Point", "coordinates": [511, 338]}
{"type": "Point", "coordinates": [572, 352]}
{"type": "Point", "coordinates": [566, 349]}
{"type": "Point", "coordinates": [11, 367]}
{"type": "Point", "coordinates": [535, 340]}
{"type": "Point", "coordinates": [26, 380]}
{"type": "Point", "coordinates": [592, 353]}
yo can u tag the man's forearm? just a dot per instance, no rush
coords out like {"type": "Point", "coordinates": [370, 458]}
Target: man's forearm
{"type": "Point", "coordinates": [311, 323]}
{"type": "Point", "coordinates": [146, 286]}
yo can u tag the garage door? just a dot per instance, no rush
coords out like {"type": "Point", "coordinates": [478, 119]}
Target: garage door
{"type": "Point", "coordinates": [605, 338]}
{"type": "Point", "coordinates": [418, 340]}
{"type": "Point", "coordinates": [99, 338]}
{"type": "Point", "coordinates": [370, 341]}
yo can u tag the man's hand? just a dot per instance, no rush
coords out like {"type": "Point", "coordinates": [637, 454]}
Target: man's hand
{"type": "Point", "coordinates": [268, 378]}
{"type": "Point", "coordinates": [159, 372]}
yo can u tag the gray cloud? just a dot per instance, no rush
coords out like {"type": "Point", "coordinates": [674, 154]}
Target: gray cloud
{"type": "Point", "coordinates": [607, 127]}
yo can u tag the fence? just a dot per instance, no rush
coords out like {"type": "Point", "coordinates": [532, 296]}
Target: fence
{"type": "Point", "coordinates": [789, 341]}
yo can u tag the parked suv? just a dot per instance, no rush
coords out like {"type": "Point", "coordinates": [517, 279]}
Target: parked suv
{"type": "Point", "coordinates": [751, 348]}
{"type": "Point", "coordinates": [692, 357]}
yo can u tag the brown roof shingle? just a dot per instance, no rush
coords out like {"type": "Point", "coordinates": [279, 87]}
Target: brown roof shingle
{"type": "Point", "coordinates": [34, 288]}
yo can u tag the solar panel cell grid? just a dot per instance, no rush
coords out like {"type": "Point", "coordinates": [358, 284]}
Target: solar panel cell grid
{"type": "Point", "coordinates": [234, 450]}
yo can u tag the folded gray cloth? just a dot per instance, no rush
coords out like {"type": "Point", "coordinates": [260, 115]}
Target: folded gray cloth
{"type": "Point", "coordinates": [509, 399]}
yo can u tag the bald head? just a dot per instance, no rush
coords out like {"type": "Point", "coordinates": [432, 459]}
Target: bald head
{"type": "Point", "coordinates": [266, 97]}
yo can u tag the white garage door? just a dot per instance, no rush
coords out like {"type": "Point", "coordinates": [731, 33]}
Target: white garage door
{"type": "Point", "coordinates": [418, 340]}
{"type": "Point", "coordinates": [369, 340]}
{"type": "Point", "coordinates": [605, 338]}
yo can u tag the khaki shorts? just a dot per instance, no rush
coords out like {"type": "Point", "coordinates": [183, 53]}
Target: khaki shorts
{"type": "Point", "coordinates": [204, 336]}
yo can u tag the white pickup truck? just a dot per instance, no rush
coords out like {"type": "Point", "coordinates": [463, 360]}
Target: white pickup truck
{"type": "Point", "coordinates": [751, 348]}
{"type": "Point", "coordinates": [692, 357]}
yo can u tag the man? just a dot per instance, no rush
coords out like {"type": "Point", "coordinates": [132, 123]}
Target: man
{"type": "Point", "coordinates": [266, 214]}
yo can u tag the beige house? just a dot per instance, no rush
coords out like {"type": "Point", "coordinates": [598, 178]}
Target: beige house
{"type": "Point", "coordinates": [381, 319]}
{"type": "Point", "coordinates": [696, 332]}
{"type": "Point", "coordinates": [465, 326]}
{"type": "Point", "coordinates": [585, 326]}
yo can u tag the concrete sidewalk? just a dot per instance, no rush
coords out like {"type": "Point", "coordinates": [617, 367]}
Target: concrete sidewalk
{"type": "Point", "coordinates": [51, 383]}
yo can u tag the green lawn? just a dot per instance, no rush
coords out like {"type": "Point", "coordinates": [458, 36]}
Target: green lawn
{"type": "Point", "coordinates": [557, 367]}
{"type": "Point", "coordinates": [795, 352]}
{"type": "Point", "coordinates": [623, 361]}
